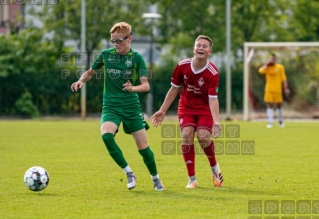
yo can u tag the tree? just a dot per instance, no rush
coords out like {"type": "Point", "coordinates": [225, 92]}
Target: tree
{"type": "Point", "coordinates": [64, 19]}
{"type": "Point", "coordinates": [306, 20]}
{"type": "Point", "coordinates": [184, 20]}
{"type": "Point", "coordinates": [251, 21]}
{"type": "Point", "coordinates": [27, 64]}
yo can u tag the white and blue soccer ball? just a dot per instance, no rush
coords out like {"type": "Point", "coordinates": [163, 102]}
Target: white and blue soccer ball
{"type": "Point", "coordinates": [36, 178]}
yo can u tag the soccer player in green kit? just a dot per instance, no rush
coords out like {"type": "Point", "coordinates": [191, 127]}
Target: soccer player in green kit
{"type": "Point", "coordinates": [124, 75]}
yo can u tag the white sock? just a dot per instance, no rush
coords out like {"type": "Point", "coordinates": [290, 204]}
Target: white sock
{"type": "Point", "coordinates": [270, 115]}
{"type": "Point", "coordinates": [127, 169]}
{"type": "Point", "coordinates": [192, 178]}
{"type": "Point", "coordinates": [215, 168]}
{"type": "Point", "coordinates": [279, 115]}
{"type": "Point", "coordinates": [155, 177]}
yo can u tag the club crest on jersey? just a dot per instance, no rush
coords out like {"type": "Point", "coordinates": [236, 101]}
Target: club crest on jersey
{"type": "Point", "coordinates": [201, 81]}
{"type": "Point", "coordinates": [128, 63]}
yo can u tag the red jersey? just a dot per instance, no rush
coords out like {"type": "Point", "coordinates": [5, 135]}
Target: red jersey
{"type": "Point", "coordinates": [198, 86]}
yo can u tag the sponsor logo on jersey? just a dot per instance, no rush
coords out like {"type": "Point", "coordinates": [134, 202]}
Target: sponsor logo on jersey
{"type": "Point", "coordinates": [194, 89]}
{"type": "Point", "coordinates": [125, 73]}
{"type": "Point", "coordinates": [113, 71]}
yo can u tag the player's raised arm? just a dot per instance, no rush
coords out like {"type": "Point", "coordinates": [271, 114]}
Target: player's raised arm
{"type": "Point", "coordinates": [262, 69]}
{"type": "Point", "coordinates": [158, 117]}
{"type": "Point", "coordinates": [86, 76]}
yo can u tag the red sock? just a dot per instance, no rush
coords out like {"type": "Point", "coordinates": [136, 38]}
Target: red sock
{"type": "Point", "coordinates": [189, 158]}
{"type": "Point", "coordinates": [210, 153]}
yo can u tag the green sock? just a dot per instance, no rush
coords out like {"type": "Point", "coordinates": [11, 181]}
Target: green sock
{"type": "Point", "coordinates": [148, 158]}
{"type": "Point", "coordinates": [114, 150]}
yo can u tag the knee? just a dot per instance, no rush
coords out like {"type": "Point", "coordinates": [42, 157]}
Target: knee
{"type": "Point", "coordinates": [111, 146]}
{"type": "Point", "coordinates": [188, 141]}
{"type": "Point", "coordinates": [204, 141]}
{"type": "Point", "coordinates": [187, 136]}
{"type": "Point", "coordinates": [108, 139]}
{"type": "Point", "coordinates": [203, 137]}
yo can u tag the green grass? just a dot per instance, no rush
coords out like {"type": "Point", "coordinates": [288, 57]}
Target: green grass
{"type": "Point", "coordinates": [86, 183]}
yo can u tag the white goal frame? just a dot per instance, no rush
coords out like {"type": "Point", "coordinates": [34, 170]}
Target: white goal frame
{"type": "Point", "coordinates": [247, 58]}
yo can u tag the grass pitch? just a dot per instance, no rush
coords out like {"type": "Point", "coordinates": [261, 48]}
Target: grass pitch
{"type": "Point", "coordinates": [86, 183]}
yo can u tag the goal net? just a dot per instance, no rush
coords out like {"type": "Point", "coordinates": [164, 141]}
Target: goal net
{"type": "Point", "coordinates": [301, 62]}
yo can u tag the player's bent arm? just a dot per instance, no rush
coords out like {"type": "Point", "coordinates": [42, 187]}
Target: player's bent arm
{"type": "Point", "coordinates": [214, 108]}
{"type": "Point", "coordinates": [262, 69]}
{"type": "Point", "coordinates": [86, 76]}
{"type": "Point", "coordinates": [169, 98]}
{"type": "Point", "coordinates": [143, 87]}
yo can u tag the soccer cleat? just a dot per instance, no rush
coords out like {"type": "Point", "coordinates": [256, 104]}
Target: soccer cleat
{"type": "Point", "coordinates": [158, 186]}
{"type": "Point", "coordinates": [192, 184]}
{"type": "Point", "coordinates": [269, 125]}
{"type": "Point", "coordinates": [218, 179]}
{"type": "Point", "coordinates": [131, 180]}
{"type": "Point", "coordinates": [281, 124]}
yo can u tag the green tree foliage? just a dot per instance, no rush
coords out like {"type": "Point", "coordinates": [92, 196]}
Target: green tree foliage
{"type": "Point", "coordinates": [64, 19]}
{"type": "Point", "coordinates": [27, 63]}
{"type": "Point", "coordinates": [184, 20]}
{"type": "Point", "coordinates": [284, 20]}
{"type": "Point", "coordinates": [31, 64]}
{"type": "Point", "coordinates": [25, 106]}
{"type": "Point", "coordinates": [251, 21]}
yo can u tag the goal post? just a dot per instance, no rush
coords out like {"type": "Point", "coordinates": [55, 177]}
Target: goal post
{"type": "Point", "coordinates": [249, 50]}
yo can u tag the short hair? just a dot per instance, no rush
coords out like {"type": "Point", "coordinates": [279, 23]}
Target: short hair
{"type": "Point", "coordinates": [121, 27]}
{"type": "Point", "coordinates": [273, 54]}
{"type": "Point", "coordinates": [206, 38]}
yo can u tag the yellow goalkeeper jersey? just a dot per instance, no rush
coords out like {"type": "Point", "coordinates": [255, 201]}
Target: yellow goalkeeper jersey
{"type": "Point", "coordinates": [275, 75]}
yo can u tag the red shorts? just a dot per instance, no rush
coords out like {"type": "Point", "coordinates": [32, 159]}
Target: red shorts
{"type": "Point", "coordinates": [196, 121]}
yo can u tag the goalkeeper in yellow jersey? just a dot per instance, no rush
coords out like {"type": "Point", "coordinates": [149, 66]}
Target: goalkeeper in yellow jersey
{"type": "Point", "coordinates": [275, 79]}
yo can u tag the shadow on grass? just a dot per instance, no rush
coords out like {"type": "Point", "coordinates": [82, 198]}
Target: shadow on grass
{"type": "Point", "coordinates": [204, 193]}
{"type": "Point", "coordinates": [189, 194]}
{"type": "Point", "coordinates": [44, 194]}
{"type": "Point", "coordinates": [246, 191]}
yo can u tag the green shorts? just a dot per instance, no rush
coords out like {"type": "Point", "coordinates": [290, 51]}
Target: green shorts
{"type": "Point", "coordinates": [132, 120]}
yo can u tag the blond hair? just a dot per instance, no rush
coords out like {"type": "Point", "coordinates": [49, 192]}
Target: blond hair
{"type": "Point", "coordinates": [121, 27]}
{"type": "Point", "coordinates": [206, 38]}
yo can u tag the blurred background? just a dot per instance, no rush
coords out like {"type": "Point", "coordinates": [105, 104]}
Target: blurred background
{"type": "Point", "coordinates": [43, 50]}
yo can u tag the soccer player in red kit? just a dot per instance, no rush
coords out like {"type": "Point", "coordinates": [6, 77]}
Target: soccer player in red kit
{"type": "Point", "coordinates": [198, 107]}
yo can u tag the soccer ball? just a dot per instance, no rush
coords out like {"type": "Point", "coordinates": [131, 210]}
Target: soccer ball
{"type": "Point", "coordinates": [36, 178]}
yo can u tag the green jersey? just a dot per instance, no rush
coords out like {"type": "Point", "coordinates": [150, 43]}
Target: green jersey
{"type": "Point", "coordinates": [118, 69]}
